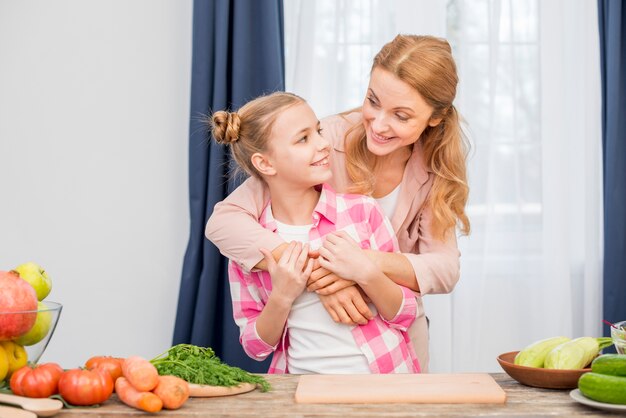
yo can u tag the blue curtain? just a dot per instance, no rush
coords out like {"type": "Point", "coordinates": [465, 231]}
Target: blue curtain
{"type": "Point", "coordinates": [237, 55]}
{"type": "Point", "coordinates": [612, 24]}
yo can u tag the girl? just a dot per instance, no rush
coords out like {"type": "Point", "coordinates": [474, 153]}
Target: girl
{"type": "Point", "coordinates": [277, 139]}
{"type": "Point", "coordinates": [405, 147]}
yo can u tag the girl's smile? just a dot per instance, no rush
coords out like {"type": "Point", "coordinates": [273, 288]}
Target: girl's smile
{"type": "Point", "coordinates": [322, 163]}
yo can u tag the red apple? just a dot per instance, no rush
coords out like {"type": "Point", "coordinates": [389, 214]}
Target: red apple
{"type": "Point", "coordinates": [16, 295]}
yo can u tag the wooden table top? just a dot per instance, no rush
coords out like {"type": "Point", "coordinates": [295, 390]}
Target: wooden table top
{"type": "Point", "coordinates": [279, 402]}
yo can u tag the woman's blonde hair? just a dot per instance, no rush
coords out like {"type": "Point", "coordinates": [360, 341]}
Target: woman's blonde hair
{"type": "Point", "coordinates": [248, 130]}
{"type": "Point", "coordinates": [426, 64]}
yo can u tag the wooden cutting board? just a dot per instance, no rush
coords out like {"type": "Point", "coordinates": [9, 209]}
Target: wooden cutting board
{"type": "Point", "coordinates": [400, 388]}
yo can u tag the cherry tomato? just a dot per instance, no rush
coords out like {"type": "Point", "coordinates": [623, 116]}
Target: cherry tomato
{"type": "Point", "coordinates": [85, 387]}
{"type": "Point", "coordinates": [113, 365]}
{"type": "Point", "coordinates": [39, 381]}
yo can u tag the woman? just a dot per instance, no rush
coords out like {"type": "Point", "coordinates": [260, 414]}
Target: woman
{"type": "Point", "coordinates": [404, 147]}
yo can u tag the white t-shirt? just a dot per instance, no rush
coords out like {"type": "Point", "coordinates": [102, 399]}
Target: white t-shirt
{"type": "Point", "coordinates": [317, 344]}
{"type": "Point", "coordinates": [390, 202]}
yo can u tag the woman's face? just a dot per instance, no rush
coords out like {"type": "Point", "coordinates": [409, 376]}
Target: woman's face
{"type": "Point", "coordinates": [394, 113]}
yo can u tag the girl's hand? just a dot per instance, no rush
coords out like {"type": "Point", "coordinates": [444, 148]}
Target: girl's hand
{"type": "Point", "coordinates": [343, 256]}
{"type": "Point", "coordinates": [291, 272]}
{"type": "Point", "coordinates": [347, 306]}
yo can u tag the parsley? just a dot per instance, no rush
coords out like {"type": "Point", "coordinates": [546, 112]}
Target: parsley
{"type": "Point", "coordinates": [200, 365]}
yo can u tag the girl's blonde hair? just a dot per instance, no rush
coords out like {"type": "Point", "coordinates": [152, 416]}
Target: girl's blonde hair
{"type": "Point", "coordinates": [248, 130]}
{"type": "Point", "coordinates": [426, 64]}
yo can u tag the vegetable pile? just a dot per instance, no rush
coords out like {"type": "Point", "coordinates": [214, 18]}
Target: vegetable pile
{"type": "Point", "coordinates": [200, 365]}
{"type": "Point", "coordinates": [147, 385]}
{"type": "Point", "coordinates": [607, 380]}
{"type": "Point", "coordinates": [561, 352]}
{"type": "Point", "coordinates": [136, 381]}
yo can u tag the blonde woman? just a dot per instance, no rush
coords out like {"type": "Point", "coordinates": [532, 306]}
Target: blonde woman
{"type": "Point", "coordinates": [405, 148]}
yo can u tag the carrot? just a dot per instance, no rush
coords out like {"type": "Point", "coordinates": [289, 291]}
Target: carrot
{"type": "Point", "coordinates": [145, 401]}
{"type": "Point", "coordinates": [173, 391]}
{"type": "Point", "coordinates": [140, 373]}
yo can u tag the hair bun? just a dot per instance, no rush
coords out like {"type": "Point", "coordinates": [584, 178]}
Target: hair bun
{"type": "Point", "coordinates": [225, 126]}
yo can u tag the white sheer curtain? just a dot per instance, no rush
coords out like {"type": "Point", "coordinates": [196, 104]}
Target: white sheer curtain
{"type": "Point", "coordinates": [530, 94]}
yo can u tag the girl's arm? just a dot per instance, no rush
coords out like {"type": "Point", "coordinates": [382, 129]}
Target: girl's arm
{"type": "Point", "coordinates": [234, 224]}
{"type": "Point", "coordinates": [289, 276]}
{"type": "Point", "coordinates": [271, 322]}
{"type": "Point", "coordinates": [247, 307]}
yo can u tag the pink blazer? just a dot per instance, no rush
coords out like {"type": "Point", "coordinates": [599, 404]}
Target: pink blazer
{"type": "Point", "coordinates": [234, 227]}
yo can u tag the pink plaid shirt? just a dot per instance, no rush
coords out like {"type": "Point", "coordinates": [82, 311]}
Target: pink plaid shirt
{"type": "Point", "coordinates": [385, 344]}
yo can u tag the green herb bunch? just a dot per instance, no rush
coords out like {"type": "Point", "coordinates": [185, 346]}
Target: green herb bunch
{"type": "Point", "coordinates": [200, 365]}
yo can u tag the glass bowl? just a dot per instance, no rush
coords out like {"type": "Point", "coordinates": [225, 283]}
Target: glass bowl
{"type": "Point", "coordinates": [618, 334]}
{"type": "Point", "coordinates": [36, 338]}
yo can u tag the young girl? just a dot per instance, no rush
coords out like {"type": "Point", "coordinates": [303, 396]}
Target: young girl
{"type": "Point", "coordinates": [277, 139]}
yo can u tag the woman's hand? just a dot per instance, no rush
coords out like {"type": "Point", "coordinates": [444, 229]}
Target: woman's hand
{"type": "Point", "coordinates": [291, 272]}
{"type": "Point", "coordinates": [347, 306]}
{"type": "Point", "coordinates": [343, 256]}
{"type": "Point", "coordinates": [325, 282]}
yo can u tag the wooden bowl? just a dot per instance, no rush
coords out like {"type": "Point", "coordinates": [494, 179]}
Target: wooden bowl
{"type": "Point", "coordinates": [538, 377]}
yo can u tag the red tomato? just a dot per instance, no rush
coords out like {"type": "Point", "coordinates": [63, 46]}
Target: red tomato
{"type": "Point", "coordinates": [39, 381]}
{"type": "Point", "coordinates": [85, 387]}
{"type": "Point", "coordinates": [113, 365]}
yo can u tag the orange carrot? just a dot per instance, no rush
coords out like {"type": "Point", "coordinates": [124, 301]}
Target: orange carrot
{"type": "Point", "coordinates": [145, 401]}
{"type": "Point", "coordinates": [173, 391]}
{"type": "Point", "coordinates": [140, 373]}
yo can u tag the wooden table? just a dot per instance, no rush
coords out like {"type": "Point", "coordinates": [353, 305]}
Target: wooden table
{"type": "Point", "coordinates": [521, 401]}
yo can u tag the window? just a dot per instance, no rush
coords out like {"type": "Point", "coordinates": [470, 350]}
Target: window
{"type": "Point", "coordinates": [529, 92]}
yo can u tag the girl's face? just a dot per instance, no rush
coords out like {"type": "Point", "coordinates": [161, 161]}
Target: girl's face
{"type": "Point", "coordinates": [394, 113]}
{"type": "Point", "coordinates": [298, 153]}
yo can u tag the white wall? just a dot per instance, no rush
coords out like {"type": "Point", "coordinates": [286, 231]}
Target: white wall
{"type": "Point", "coordinates": [94, 109]}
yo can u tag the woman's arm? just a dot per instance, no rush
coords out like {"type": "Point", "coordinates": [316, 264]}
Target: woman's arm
{"type": "Point", "coordinates": [347, 306]}
{"type": "Point", "coordinates": [234, 225]}
{"type": "Point", "coordinates": [396, 266]}
{"type": "Point", "coordinates": [435, 262]}
{"type": "Point", "coordinates": [428, 266]}
{"type": "Point", "coordinates": [342, 255]}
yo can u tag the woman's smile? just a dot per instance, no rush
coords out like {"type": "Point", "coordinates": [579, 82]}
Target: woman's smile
{"type": "Point", "coordinates": [380, 138]}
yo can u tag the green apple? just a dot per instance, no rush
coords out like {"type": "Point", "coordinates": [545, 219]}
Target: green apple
{"type": "Point", "coordinates": [40, 329]}
{"type": "Point", "coordinates": [37, 277]}
{"type": "Point", "coordinates": [16, 355]}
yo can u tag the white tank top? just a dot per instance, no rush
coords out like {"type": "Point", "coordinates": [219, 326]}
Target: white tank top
{"type": "Point", "coordinates": [317, 344]}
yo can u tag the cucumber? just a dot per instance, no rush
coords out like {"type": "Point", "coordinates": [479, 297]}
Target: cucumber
{"type": "Point", "coordinates": [603, 387]}
{"type": "Point", "coordinates": [613, 364]}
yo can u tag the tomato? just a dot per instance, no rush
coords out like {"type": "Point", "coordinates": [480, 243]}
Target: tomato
{"type": "Point", "coordinates": [113, 365]}
{"type": "Point", "coordinates": [39, 381]}
{"type": "Point", "coordinates": [85, 387]}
